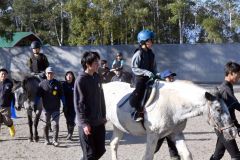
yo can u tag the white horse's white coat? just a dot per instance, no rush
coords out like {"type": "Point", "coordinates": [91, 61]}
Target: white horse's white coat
{"type": "Point", "coordinates": [171, 106]}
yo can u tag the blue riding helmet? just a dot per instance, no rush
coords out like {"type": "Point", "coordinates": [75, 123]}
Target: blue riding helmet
{"type": "Point", "coordinates": [145, 35]}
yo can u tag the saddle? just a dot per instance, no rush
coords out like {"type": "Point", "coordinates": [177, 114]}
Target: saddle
{"type": "Point", "coordinates": [146, 96]}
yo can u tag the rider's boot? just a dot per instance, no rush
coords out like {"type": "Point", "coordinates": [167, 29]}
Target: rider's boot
{"type": "Point", "coordinates": [55, 135]}
{"type": "Point", "coordinates": [12, 131]}
{"type": "Point", "coordinates": [46, 135]}
{"type": "Point", "coordinates": [137, 116]}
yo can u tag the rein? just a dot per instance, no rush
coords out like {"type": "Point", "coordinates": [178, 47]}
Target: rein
{"type": "Point", "coordinates": [216, 126]}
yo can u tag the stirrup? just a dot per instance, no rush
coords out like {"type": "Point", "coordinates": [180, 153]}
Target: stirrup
{"type": "Point", "coordinates": [137, 116]}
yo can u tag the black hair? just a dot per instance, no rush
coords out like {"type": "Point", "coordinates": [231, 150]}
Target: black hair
{"type": "Point", "coordinates": [88, 58]}
{"type": "Point", "coordinates": [73, 80]}
{"type": "Point", "coordinates": [231, 67]}
{"type": "Point", "coordinates": [103, 61]}
{"type": "Point", "coordinates": [3, 70]}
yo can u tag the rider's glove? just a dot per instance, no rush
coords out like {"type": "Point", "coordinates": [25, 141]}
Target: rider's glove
{"type": "Point", "coordinates": [150, 74]}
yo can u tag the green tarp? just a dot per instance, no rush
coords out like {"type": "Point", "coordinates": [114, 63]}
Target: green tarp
{"type": "Point", "coordinates": [17, 37]}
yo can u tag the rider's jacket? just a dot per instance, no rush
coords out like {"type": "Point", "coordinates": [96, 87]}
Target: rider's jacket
{"type": "Point", "coordinates": [51, 93]}
{"type": "Point", "coordinates": [227, 93]}
{"type": "Point", "coordinates": [38, 63]}
{"type": "Point", "coordinates": [143, 62]}
{"type": "Point", "coordinates": [6, 95]}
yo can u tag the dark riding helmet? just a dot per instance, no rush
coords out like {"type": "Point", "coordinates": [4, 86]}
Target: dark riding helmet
{"type": "Point", "coordinates": [35, 44]}
{"type": "Point", "coordinates": [145, 35]}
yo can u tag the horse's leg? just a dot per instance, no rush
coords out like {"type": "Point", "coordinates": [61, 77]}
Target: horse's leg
{"type": "Point", "coordinates": [116, 137]}
{"type": "Point", "coordinates": [36, 121]}
{"type": "Point", "coordinates": [181, 146]}
{"type": "Point", "coordinates": [30, 124]}
{"type": "Point", "coordinates": [152, 140]}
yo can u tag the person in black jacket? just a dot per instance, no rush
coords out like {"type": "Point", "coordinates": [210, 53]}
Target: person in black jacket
{"type": "Point", "coordinates": [90, 108]}
{"type": "Point", "coordinates": [232, 75]}
{"type": "Point", "coordinates": [69, 112]}
{"type": "Point", "coordinates": [51, 92]}
{"type": "Point", "coordinates": [6, 96]}
{"type": "Point", "coordinates": [38, 62]}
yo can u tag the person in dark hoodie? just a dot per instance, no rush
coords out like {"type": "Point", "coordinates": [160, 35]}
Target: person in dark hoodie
{"type": "Point", "coordinates": [69, 112]}
{"type": "Point", "coordinates": [6, 96]}
{"type": "Point", "coordinates": [90, 108]}
{"type": "Point", "coordinates": [51, 92]}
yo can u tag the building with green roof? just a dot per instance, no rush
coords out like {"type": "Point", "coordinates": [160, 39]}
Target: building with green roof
{"type": "Point", "coordinates": [19, 39]}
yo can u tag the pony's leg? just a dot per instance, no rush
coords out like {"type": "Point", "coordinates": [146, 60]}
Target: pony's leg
{"type": "Point", "coordinates": [30, 124]}
{"type": "Point", "coordinates": [36, 121]}
{"type": "Point", "coordinates": [152, 140]}
{"type": "Point", "coordinates": [182, 147]}
{"type": "Point", "coordinates": [116, 137]}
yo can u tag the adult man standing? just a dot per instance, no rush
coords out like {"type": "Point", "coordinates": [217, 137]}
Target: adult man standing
{"type": "Point", "coordinates": [51, 92]}
{"type": "Point", "coordinates": [232, 75]}
{"type": "Point", "coordinates": [6, 96]}
{"type": "Point", "coordinates": [38, 62]}
{"type": "Point", "coordinates": [90, 108]}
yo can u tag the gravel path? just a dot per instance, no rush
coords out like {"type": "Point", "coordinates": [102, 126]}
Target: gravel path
{"type": "Point", "coordinates": [200, 139]}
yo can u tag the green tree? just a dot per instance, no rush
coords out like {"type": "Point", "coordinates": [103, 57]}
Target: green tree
{"type": "Point", "coordinates": [6, 27]}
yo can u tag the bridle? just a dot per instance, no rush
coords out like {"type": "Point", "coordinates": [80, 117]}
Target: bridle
{"type": "Point", "coordinates": [216, 126]}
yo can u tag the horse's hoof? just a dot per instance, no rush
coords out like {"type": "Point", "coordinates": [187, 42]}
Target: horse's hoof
{"type": "Point", "coordinates": [36, 139]}
{"type": "Point", "coordinates": [30, 139]}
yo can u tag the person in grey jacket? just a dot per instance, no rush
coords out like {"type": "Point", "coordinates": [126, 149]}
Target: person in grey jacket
{"type": "Point", "coordinates": [90, 108]}
{"type": "Point", "coordinates": [144, 68]}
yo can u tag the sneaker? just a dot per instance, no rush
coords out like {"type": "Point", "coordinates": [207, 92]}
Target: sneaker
{"type": "Point", "coordinates": [12, 131]}
{"type": "Point", "coordinates": [55, 144]}
{"type": "Point", "coordinates": [137, 116]}
{"type": "Point", "coordinates": [47, 142]}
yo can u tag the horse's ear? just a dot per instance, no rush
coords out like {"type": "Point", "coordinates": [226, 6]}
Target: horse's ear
{"type": "Point", "coordinates": [209, 96]}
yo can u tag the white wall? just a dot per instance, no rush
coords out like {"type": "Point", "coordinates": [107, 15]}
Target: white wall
{"type": "Point", "coordinates": [198, 63]}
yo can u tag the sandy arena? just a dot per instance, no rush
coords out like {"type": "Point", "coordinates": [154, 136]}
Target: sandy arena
{"type": "Point", "coordinates": [200, 139]}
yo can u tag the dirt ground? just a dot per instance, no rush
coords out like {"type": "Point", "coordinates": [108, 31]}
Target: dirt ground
{"type": "Point", "coordinates": [200, 139]}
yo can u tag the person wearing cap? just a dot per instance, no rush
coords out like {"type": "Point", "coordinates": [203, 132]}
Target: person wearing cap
{"type": "Point", "coordinates": [120, 76]}
{"type": "Point", "coordinates": [168, 75]}
{"type": "Point", "coordinates": [51, 92]}
{"type": "Point", "coordinates": [144, 68]}
{"type": "Point", "coordinates": [6, 96]}
{"type": "Point", "coordinates": [38, 62]}
{"type": "Point", "coordinates": [118, 62]}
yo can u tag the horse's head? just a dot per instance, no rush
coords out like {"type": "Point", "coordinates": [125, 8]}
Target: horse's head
{"type": "Point", "coordinates": [219, 116]}
{"type": "Point", "coordinates": [19, 94]}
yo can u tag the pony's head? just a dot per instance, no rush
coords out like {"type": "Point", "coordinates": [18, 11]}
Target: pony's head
{"type": "Point", "coordinates": [25, 90]}
{"type": "Point", "coordinates": [219, 116]}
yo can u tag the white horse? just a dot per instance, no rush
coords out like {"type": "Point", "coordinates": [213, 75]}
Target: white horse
{"type": "Point", "coordinates": [165, 114]}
